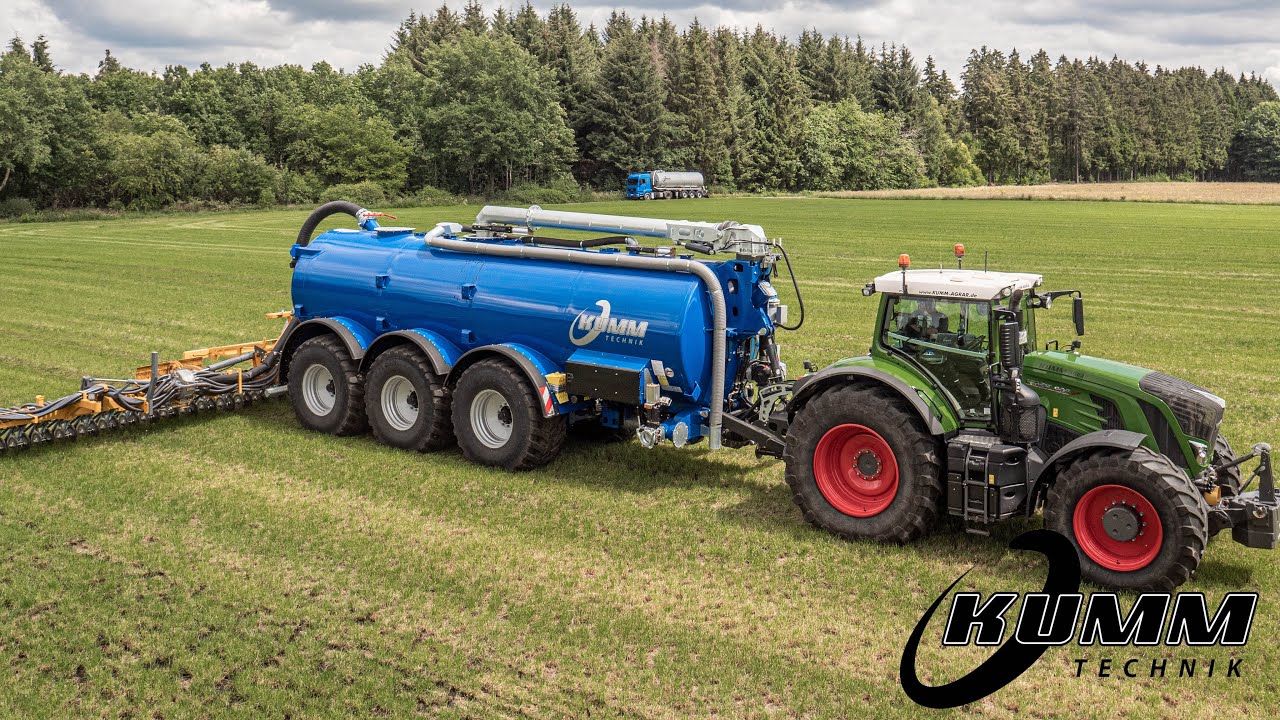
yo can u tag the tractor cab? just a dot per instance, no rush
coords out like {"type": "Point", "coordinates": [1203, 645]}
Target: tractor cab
{"type": "Point", "coordinates": [943, 324]}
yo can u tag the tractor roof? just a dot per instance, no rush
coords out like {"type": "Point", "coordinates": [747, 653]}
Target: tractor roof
{"type": "Point", "coordinates": [967, 284]}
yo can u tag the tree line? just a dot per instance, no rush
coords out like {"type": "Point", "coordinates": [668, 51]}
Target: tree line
{"type": "Point", "coordinates": [472, 102]}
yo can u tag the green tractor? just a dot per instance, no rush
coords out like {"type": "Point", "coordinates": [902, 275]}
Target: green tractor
{"type": "Point", "coordinates": [956, 411]}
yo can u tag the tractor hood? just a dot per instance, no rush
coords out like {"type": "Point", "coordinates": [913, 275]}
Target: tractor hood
{"type": "Point", "coordinates": [1195, 410]}
{"type": "Point", "coordinates": [1076, 369]}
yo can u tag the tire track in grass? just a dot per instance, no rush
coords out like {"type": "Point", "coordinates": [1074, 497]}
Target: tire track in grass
{"type": "Point", "coordinates": [145, 546]}
{"type": "Point", "coordinates": [592, 602]}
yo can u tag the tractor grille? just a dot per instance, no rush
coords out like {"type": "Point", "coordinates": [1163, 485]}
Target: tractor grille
{"type": "Point", "coordinates": [1196, 411]}
{"type": "Point", "coordinates": [1166, 439]}
{"type": "Point", "coordinates": [1056, 437]}
{"type": "Point", "coordinates": [1109, 413]}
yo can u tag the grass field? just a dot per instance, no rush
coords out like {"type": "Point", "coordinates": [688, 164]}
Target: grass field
{"type": "Point", "coordinates": [238, 565]}
{"type": "Point", "coordinates": [1240, 193]}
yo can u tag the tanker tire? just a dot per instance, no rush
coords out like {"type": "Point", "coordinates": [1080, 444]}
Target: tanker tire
{"type": "Point", "coordinates": [534, 440]}
{"type": "Point", "coordinates": [432, 428]}
{"type": "Point", "coordinates": [914, 507]}
{"type": "Point", "coordinates": [1179, 506]}
{"type": "Point", "coordinates": [346, 417]}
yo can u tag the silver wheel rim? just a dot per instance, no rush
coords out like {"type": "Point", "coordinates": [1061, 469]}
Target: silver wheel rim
{"type": "Point", "coordinates": [399, 403]}
{"type": "Point", "coordinates": [318, 391]}
{"type": "Point", "coordinates": [491, 418]}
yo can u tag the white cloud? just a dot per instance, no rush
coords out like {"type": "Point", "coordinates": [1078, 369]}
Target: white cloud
{"type": "Point", "coordinates": [150, 34]}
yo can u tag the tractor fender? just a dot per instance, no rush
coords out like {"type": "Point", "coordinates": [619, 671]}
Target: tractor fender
{"type": "Point", "coordinates": [806, 388]}
{"type": "Point", "coordinates": [353, 335]}
{"type": "Point", "coordinates": [532, 363]}
{"type": "Point", "coordinates": [1045, 474]}
{"type": "Point", "coordinates": [442, 354]}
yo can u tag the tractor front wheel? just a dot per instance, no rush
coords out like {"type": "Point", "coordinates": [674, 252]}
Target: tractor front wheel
{"type": "Point", "coordinates": [1230, 480]}
{"type": "Point", "coordinates": [862, 465]}
{"type": "Point", "coordinates": [1137, 521]}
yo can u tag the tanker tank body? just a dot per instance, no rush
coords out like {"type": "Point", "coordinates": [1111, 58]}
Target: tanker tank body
{"type": "Point", "coordinates": [605, 331]}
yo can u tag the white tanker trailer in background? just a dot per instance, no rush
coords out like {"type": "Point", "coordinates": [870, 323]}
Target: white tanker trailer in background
{"type": "Point", "coordinates": [664, 185]}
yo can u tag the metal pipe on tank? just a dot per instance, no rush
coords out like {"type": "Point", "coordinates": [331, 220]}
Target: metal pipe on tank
{"type": "Point", "coordinates": [590, 222]}
{"type": "Point", "coordinates": [704, 237]}
{"type": "Point", "coordinates": [436, 238]}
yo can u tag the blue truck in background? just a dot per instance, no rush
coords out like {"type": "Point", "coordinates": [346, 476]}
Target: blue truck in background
{"type": "Point", "coordinates": [665, 185]}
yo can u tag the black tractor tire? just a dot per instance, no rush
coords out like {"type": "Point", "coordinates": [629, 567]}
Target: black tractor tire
{"type": "Point", "coordinates": [1125, 477]}
{"type": "Point", "coordinates": [1231, 480]}
{"type": "Point", "coordinates": [911, 510]}
{"type": "Point", "coordinates": [530, 439]}
{"type": "Point", "coordinates": [345, 390]}
{"type": "Point", "coordinates": [427, 426]}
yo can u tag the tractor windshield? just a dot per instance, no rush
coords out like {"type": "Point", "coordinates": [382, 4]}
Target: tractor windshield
{"type": "Point", "coordinates": [949, 339]}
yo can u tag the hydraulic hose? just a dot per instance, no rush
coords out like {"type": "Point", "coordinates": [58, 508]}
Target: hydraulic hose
{"type": "Point", "coordinates": [795, 284]}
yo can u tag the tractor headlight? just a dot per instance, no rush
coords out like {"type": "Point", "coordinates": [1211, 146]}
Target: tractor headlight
{"type": "Point", "coordinates": [1202, 452]}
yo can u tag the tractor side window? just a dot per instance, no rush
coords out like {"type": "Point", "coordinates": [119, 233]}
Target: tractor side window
{"type": "Point", "coordinates": [950, 340]}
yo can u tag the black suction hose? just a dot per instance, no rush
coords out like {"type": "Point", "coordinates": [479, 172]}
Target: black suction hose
{"type": "Point", "coordinates": [318, 215]}
{"type": "Point", "coordinates": [796, 285]}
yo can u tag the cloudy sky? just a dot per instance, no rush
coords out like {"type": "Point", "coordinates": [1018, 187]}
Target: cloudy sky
{"type": "Point", "coordinates": [1236, 34]}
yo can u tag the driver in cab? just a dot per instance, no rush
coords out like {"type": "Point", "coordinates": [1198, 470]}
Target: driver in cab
{"type": "Point", "coordinates": [925, 323]}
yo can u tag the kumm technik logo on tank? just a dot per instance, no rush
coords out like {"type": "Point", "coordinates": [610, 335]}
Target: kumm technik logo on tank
{"type": "Point", "coordinates": [621, 330]}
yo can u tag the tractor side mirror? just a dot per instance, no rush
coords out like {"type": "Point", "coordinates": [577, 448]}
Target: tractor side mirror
{"type": "Point", "coordinates": [1077, 314]}
{"type": "Point", "coordinates": [1011, 345]}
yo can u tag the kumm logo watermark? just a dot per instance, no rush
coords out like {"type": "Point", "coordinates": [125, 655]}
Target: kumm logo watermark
{"type": "Point", "coordinates": [617, 329]}
{"type": "Point", "coordinates": [1060, 615]}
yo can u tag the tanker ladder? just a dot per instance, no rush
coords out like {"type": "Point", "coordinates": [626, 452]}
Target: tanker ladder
{"type": "Point", "coordinates": [159, 390]}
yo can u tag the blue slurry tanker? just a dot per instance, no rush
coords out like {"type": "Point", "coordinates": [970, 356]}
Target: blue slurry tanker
{"type": "Point", "coordinates": [499, 336]}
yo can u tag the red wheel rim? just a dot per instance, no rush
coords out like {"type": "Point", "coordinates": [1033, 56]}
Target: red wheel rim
{"type": "Point", "coordinates": [856, 470]}
{"type": "Point", "coordinates": [1088, 522]}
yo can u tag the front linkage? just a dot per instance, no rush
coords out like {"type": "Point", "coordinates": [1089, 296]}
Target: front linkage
{"type": "Point", "coordinates": [1254, 517]}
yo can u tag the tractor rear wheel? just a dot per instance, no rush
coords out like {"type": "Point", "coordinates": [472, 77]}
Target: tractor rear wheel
{"type": "Point", "coordinates": [1137, 521]}
{"type": "Point", "coordinates": [326, 387]}
{"type": "Point", "coordinates": [499, 421]}
{"type": "Point", "coordinates": [406, 401]}
{"type": "Point", "coordinates": [862, 465]}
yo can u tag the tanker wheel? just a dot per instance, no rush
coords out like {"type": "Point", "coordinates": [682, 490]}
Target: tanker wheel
{"type": "Point", "coordinates": [498, 418]}
{"type": "Point", "coordinates": [1137, 521]}
{"type": "Point", "coordinates": [862, 465]}
{"type": "Point", "coordinates": [648, 196]}
{"type": "Point", "coordinates": [406, 401]}
{"type": "Point", "coordinates": [326, 388]}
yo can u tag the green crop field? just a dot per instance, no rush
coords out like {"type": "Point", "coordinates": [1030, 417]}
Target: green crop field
{"type": "Point", "coordinates": [237, 565]}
